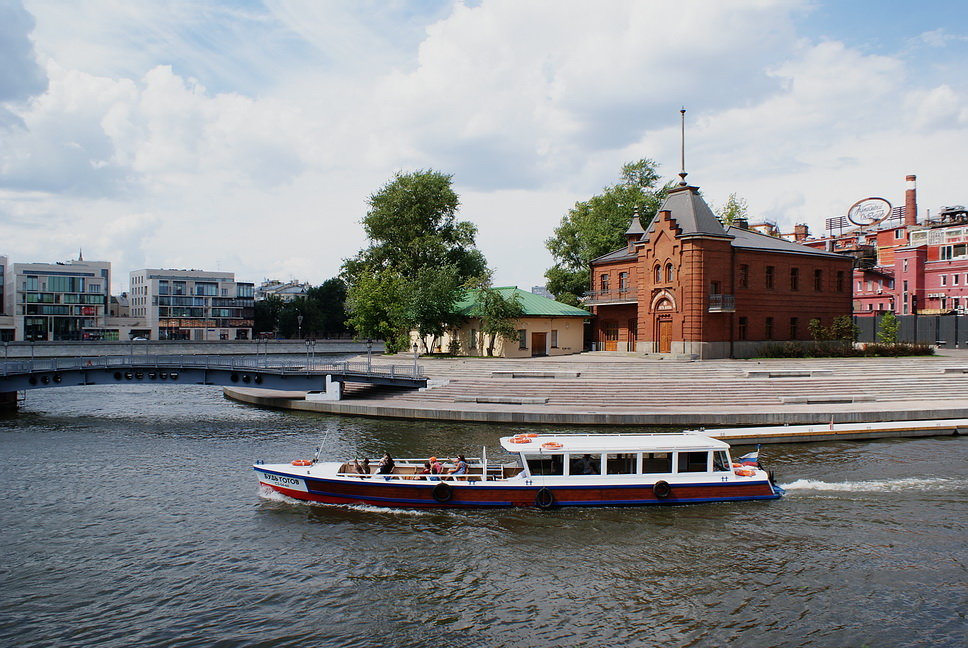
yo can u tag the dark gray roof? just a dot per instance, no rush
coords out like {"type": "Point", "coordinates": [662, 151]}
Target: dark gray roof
{"type": "Point", "coordinates": [617, 255]}
{"type": "Point", "coordinates": [635, 227]}
{"type": "Point", "coordinates": [749, 239]}
{"type": "Point", "coordinates": [691, 213]}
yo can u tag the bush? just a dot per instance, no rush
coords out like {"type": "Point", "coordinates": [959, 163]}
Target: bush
{"type": "Point", "coordinates": [835, 349]}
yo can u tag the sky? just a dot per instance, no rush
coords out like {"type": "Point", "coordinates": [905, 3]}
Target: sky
{"type": "Point", "coordinates": [248, 136]}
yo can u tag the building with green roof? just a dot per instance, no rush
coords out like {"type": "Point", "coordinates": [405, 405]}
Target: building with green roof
{"type": "Point", "coordinates": [547, 327]}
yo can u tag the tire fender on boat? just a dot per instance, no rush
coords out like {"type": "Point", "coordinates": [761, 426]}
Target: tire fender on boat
{"type": "Point", "coordinates": [442, 492]}
{"type": "Point", "coordinates": [662, 489]}
{"type": "Point", "coordinates": [544, 498]}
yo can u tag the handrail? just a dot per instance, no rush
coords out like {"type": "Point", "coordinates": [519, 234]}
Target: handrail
{"type": "Point", "coordinates": [367, 369]}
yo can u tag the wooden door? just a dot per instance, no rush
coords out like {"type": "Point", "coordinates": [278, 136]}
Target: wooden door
{"type": "Point", "coordinates": [610, 335]}
{"type": "Point", "coordinates": [539, 344]}
{"type": "Point", "coordinates": [665, 336]}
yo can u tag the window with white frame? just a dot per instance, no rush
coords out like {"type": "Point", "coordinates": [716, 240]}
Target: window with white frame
{"type": "Point", "coordinates": [522, 339]}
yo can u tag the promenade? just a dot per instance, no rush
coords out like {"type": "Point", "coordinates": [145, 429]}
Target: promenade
{"type": "Point", "coordinates": [625, 390]}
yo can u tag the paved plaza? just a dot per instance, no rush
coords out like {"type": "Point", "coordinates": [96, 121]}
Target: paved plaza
{"type": "Point", "coordinates": [603, 388]}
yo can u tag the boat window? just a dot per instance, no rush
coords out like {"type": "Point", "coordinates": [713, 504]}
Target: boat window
{"type": "Point", "coordinates": [620, 464]}
{"type": "Point", "coordinates": [656, 462]}
{"type": "Point", "coordinates": [546, 464]}
{"type": "Point", "coordinates": [585, 464]}
{"type": "Point", "coordinates": [720, 461]}
{"type": "Point", "coordinates": [693, 461]}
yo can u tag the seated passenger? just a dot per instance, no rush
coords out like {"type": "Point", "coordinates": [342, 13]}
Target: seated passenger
{"type": "Point", "coordinates": [363, 469]}
{"type": "Point", "coordinates": [386, 464]}
{"type": "Point", "coordinates": [460, 466]}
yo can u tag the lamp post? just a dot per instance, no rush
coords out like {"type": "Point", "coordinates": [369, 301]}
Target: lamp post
{"type": "Point", "coordinates": [299, 319]}
{"type": "Point", "coordinates": [414, 359]}
{"type": "Point", "coordinates": [369, 355]}
{"type": "Point", "coordinates": [311, 352]}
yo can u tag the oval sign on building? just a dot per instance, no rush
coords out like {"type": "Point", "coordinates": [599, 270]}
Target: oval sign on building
{"type": "Point", "coordinates": [869, 211]}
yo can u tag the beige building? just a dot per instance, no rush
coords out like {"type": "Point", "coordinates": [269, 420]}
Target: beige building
{"type": "Point", "coordinates": [547, 328]}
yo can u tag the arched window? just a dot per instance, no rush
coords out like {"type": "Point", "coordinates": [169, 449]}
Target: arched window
{"type": "Point", "coordinates": [669, 273]}
{"type": "Point", "coordinates": [658, 274]}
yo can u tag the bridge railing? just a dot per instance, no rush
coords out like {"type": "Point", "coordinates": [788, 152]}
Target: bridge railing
{"type": "Point", "coordinates": [409, 370]}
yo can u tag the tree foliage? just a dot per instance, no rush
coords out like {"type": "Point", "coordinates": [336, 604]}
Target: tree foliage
{"type": "Point", "coordinates": [412, 224]}
{"type": "Point", "coordinates": [323, 309]}
{"type": "Point", "coordinates": [498, 315]}
{"type": "Point", "coordinates": [888, 328]}
{"type": "Point", "coordinates": [735, 208]}
{"type": "Point", "coordinates": [419, 258]}
{"type": "Point", "coordinates": [378, 308]}
{"type": "Point", "coordinates": [597, 226]}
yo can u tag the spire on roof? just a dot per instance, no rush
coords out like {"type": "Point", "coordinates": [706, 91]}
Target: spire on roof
{"type": "Point", "coordinates": [682, 172]}
{"type": "Point", "coordinates": [80, 254]}
{"type": "Point", "coordinates": [635, 227]}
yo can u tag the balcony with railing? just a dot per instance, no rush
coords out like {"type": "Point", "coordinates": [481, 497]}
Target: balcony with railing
{"type": "Point", "coordinates": [719, 303]}
{"type": "Point", "coordinates": [616, 296]}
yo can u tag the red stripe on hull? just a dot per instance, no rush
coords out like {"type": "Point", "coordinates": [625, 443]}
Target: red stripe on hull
{"type": "Point", "coordinates": [464, 496]}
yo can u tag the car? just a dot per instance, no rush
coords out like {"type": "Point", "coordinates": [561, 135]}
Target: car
{"type": "Point", "coordinates": [139, 339]}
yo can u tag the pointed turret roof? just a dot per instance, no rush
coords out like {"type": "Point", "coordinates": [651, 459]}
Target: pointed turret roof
{"type": "Point", "coordinates": [635, 227]}
{"type": "Point", "coordinates": [691, 213]}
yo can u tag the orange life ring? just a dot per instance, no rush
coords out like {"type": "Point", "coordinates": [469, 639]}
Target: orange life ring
{"type": "Point", "coordinates": [302, 462]}
{"type": "Point", "coordinates": [737, 465]}
{"type": "Point", "coordinates": [551, 445]}
{"type": "Point", "coordinates": [520, 440]}
{"type": "Point", "coordinates": [745, 472]}
{"type": "Point", "coordinates": [528, 435]}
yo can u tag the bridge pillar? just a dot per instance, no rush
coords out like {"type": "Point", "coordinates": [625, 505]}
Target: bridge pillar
{"type": "Point", "coordinates": [334, 391]}
{"type": "Point", "coordinates": [8, 401]}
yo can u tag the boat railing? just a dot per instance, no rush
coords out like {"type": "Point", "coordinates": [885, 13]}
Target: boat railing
{"type": "Point", "coordinates": [408, 470]}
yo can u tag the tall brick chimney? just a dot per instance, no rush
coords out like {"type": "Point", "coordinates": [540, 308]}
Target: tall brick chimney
{"type": "Point", "coordinates": [911, 201]}
{"type": "Point", "coordinates": [800, 232]}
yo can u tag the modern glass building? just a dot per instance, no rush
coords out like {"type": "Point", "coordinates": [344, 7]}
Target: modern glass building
{"type": "Point", "coordinates": [61, 301]}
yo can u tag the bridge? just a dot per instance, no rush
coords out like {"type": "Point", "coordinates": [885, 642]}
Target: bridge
{"type": "Point", "coordinates": [263, 372]}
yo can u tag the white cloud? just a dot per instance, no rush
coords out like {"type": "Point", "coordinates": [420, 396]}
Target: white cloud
{"type": "Point", "coordinates": [198, 134]}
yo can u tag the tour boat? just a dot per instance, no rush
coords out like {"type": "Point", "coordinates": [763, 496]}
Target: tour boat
{"type": "Point", "coordinates": [544, 470]}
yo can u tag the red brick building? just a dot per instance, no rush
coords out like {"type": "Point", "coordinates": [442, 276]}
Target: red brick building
{"type": "Point", "coordinates": [687, 285]}
{"type": "Point", "coordinates": [907, 264]}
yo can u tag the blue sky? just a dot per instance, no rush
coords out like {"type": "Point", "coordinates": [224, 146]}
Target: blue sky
{"type": "Point", "coordinates": [247, 136]}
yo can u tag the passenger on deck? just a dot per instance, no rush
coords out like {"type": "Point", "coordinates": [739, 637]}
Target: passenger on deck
{"type": "Point", "coordinates": [386, 465]}
{"type": "Point", "coordinates": [460, 466]}
{"type": "Point", "coordinates": [363, 469]}
{"type": "Point", "coordinates": [587, 466]}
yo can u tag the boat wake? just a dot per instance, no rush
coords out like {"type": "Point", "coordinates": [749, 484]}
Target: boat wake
{"type": "Point", "coordinates": [878, 485]}
{"type": "Point", "coordinates": [271, 495]}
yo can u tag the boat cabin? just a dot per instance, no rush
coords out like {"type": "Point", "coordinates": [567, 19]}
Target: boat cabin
{"type": "Point", "coordinates": [618, 455]}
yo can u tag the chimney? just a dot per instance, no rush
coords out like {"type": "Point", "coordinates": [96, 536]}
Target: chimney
{"type": "Point", "coordinates": [911, 201]}
{"type": "Point", "coordinates": [800, 232]}
{"type": "Point", "coordinates": [741, 223]}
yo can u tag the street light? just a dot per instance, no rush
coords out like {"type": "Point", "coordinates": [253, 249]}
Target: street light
{"type": "Point", "coordinates": [299, 319]}
{"type": "Point", "coordinates": [311, 352]}
{"type": "Point", "coordinates": [369, 355]}
{"type": "Point", "coordinates": [415, 359]}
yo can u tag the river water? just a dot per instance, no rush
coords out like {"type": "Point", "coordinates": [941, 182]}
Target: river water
{"type": "Point", "coordinates": [132, 518]}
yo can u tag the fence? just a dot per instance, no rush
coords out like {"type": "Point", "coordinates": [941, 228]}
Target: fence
{"type": "Point", "coordinates": [943, 330]}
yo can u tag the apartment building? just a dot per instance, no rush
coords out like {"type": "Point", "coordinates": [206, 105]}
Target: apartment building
{"type": "Point", "coordinates": [60, 301]}
{"type": "Point", "coordinates": [192, 304]}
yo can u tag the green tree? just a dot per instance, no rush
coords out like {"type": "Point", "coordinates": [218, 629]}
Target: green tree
{"type": "Point", "coordinates": [411, 224]}
{"type": "Point", "coordinates": [597, 226]}
{"type": "Point", "coordinates": [329, 308]}
{"type": "Point", "coordinates": [888, 328]}
{"type": "Point", "coordinates": [267, 314]}
{"type": "Point", "coordinates": [498, 315]}
{"type": "Point", "coordinates": [433, 298]}
{"type": "Point", "coordinates": [735, 208]}
{"type": "Point", "coordinates": [419, 256]}
{"type": "Point", "coordinates": [378, 303]}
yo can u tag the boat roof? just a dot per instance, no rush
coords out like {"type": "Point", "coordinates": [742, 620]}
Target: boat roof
{"type": "Point", "coordinates": [664, 442]}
